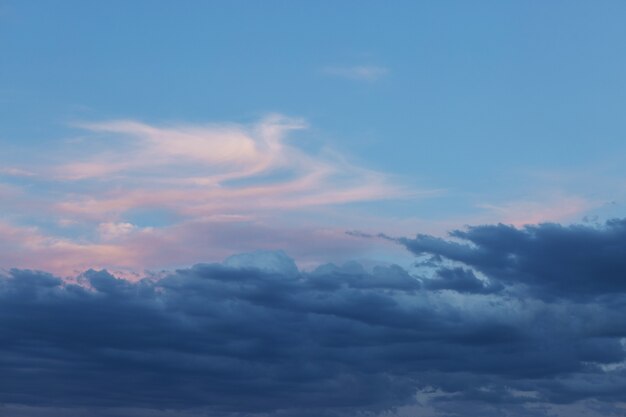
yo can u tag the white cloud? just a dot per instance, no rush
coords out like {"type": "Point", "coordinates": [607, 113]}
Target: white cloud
{"type": "Point", "coordinates": [357, 72]}
{"type": "Point", "coordinates": [112, 231]}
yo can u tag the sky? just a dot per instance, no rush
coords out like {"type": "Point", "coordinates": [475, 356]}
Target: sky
{"type": "Point", "coordinates": [274, 208]}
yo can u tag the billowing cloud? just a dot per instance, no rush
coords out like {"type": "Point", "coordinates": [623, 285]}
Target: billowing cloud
{"type": "Point", "coordinates": [461, 280]}
{"type": "Point", "coordinates": [549, 259]}
{"type": "Point", "coordinates": [256, 336]}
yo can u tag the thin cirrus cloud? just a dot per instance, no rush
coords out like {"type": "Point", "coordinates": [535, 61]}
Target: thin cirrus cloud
{"type": "Point", "coordinates": [554, 208]}
{"type": "Point", "coordinates": [236, 183]}
{"type": "Point", "coordinates": [131, 195]}
{"type": "Point", "coordinates": [357, 72]}
{"type": "Point", "coordinates": [208, 160]}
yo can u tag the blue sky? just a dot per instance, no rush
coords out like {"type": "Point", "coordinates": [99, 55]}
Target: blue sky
{"type": "Point", "coordinates": [485, 112]}
{"type": "Point", "coordinates": [146, 136]}
{"type": "Point", "coordinates": [472, 96]}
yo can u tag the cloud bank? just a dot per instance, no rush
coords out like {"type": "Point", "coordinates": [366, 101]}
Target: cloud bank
{"type": "Point", "coordinates": [550, 260]}
{"type": "Point", "coordinates": [496, 321]}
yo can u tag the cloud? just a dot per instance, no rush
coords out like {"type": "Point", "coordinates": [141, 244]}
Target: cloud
{"type": "Point", "coordinates": [215, 169]}
{"type": "Point", "coordinates": [357, 72]}
{"type": "Point", "coordinates": [126, 248]}
{"type": "Point", "coordinates": [128, 183]}
{"type": "Point", "coordinates": [15, 172]}
{"type": "Point", "coordinates": [255, 336]}
{"type": "Point", "coordinates": [555, 208]}
{"type": "Point", "coordinates": [550, 259]}
{"type": "Point", "coordinates": [461, 280]}
{"type": "Point", "coordinates": [111, 231]}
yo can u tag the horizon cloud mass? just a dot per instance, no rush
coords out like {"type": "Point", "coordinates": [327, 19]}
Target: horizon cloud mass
{"type": "Point", "coordinates": [497, 321]}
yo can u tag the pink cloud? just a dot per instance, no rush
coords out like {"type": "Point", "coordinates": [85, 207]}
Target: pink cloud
{"type": "Point", "coordinates": [29, 247]}
{"type": "Point", "coordinates": [190, 170]}
{"type": "Point", "coordinates": [127, 249]}
{"type": "Point", "coordinates": [228, 187]}
{"type": "Point", "coordinates": [526, 212]}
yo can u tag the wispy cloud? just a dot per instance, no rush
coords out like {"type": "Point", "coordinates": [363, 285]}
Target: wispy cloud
{"type": "Point", "coordinates": [357, 72]}
{"type": "Point", "coordinates": [216, 170]}
{"type": "Point", "coordinates": [15, 172]}
{"type": "Point", "coordinates": [526, 212]}
{"type": "Point", "coordinates": [233, 182]}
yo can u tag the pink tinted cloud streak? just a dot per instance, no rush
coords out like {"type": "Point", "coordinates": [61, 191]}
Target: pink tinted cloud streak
{"type": "Point", "coordinates": [228, 188]}
{"type": "Point", "coordinates": [528, 212]}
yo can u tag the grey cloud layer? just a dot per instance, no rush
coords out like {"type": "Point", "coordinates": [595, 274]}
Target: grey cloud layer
{"type": "Point", "coordinates": [545, 327]}
{"type": "Point", "coordinates": [550, 259]}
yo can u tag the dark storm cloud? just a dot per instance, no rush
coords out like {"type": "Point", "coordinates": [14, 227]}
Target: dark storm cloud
{"type": "Point", "coordinates": [240, 339]}
{"type": "Point", "coordinates": [460, 280]}
{"type": "Point", "coordinates": [552, 260]}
